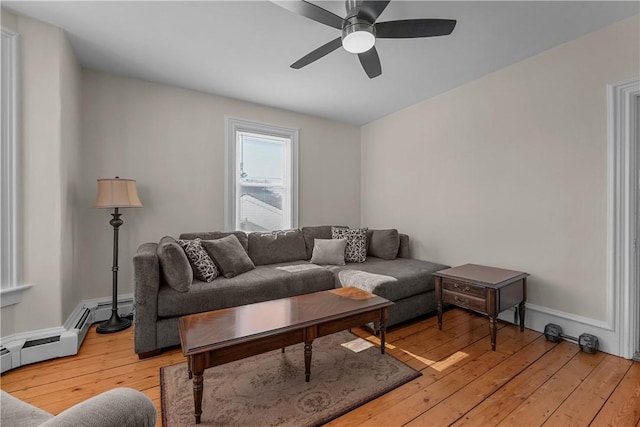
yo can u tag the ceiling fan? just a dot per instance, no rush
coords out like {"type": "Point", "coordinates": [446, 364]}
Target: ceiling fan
{"type": "Point", "coordinates": [360, 30]}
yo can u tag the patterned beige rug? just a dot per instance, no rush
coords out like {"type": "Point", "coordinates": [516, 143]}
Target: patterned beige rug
{"type": "Point", "coordinates": [270, 389]}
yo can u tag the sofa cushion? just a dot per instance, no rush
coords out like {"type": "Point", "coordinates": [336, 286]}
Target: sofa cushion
{"type": "Point", "coordinates": [356, 242]}
{"type": "Point", "coordinates": [229, 255]}
{"type": "Point", "coordinates": [276, 246]}
{"type": "Point", "coordinates": [266, 282]}
{"type": "Point", "coordinates": [174, 264]}
{"type": "Point", "coordinates": [214, 235]}
{"type": "Point", "coordinates": [312, 233]}
{"type": "Point", "coordinates": [383, 243]}
{"type": "Point", "coordinates": [329, 251]}
{"type": "Point", "coordinates": [405, 277]}
{"type": "Point", "coordinates": [201, 263]}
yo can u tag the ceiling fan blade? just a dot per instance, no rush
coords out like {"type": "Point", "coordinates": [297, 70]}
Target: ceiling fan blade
{"type": "Point", "coordinates": [323, 50]}
{"type": "Point", "coordinates": [413, 28]}
{"type": "Point", "coordinates": [371, 62]}
{"type": "Point", "coordinates": [371, 9]}
{"type": "Point", "coordinates": [313, 12]}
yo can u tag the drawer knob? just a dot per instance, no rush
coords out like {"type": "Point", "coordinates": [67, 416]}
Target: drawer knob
{"type": "Point", "coordinates": [460, 301]}
{"type": "Point", "coordinates": [461, 288]}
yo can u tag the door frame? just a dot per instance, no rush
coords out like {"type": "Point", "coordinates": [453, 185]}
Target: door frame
{"type": "Point", "coordinates": [622, 195]}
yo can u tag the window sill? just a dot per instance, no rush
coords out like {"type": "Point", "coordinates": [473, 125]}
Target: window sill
{"type": "Point", "coordinates": [11, 296]}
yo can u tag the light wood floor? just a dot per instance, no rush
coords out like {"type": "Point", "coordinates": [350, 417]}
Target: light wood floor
{"type": "Point", "coordinates": [527, 381]}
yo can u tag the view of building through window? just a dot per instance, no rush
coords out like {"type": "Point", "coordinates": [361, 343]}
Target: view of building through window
{"type": "Point", "coordinates": [262, 184]}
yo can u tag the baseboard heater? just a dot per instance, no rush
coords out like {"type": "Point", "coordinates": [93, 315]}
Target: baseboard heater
{"type": "Point", "coordinates": [37, 346]}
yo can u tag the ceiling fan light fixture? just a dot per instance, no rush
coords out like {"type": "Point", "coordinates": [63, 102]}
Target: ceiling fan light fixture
{"type": "Point", "coordinates": [358, 37]}
{"type": "Point", "coordinates": [358, 42]}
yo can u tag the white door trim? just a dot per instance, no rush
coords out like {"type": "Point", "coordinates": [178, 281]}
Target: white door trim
{"type": "Point", "coordinates": [623, 294]}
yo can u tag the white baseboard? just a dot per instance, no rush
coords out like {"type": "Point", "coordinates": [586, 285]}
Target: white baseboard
{"type": "Point", "coordinates": [537, 317]}
{"type": "Point", "coordinates": [44, 344]}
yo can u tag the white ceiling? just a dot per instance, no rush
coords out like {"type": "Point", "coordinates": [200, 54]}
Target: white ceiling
{"type": "Point", "coordinates": [243, 49]}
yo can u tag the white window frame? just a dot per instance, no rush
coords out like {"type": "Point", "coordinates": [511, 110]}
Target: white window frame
{"type": "Point", "coordinates": [11, 277]}
{"type": "Point", "coordinates": [235, 125]}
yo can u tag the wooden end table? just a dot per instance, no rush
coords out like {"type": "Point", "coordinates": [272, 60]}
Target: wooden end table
{"type": "Point", "coordinates": [222, 336]}
{"type": "Point", "coordinates": [486, 290]}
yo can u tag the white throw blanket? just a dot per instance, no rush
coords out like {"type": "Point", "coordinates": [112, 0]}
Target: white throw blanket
{"type": "Point", "coordinates": [363, 280]}
{"type": "Point", "coordinates": [298, 268]}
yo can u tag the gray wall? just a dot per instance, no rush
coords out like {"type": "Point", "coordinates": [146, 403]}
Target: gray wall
{"type": "Point", "coordinates": [172, 142]}
{"type": "Point", "coordinates": [510, 170]}
{"type": "Point", "coordinates": [51, 136]}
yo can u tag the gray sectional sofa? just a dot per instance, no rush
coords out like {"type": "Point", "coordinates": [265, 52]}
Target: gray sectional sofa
{"type": "Point", "coordinates": [282, 269]}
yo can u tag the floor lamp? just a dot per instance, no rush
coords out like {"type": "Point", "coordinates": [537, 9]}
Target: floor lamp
{"type": "Point", "coordinates": [116, 193]}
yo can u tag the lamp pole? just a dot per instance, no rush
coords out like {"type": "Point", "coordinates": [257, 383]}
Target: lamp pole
{"type": "Point", "coordinates": [115, 322]}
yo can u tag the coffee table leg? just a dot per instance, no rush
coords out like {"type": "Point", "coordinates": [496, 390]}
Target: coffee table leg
{"type": "Point", "coordinates": [307, 360]}
{"type": "Point", "coordinates": [197, 370]}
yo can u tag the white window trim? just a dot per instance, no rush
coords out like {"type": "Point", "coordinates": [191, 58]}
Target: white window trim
{"type": "Point", "coordinates": [234, 125]}
{"type": "Point", "coordinates": [11, 174]}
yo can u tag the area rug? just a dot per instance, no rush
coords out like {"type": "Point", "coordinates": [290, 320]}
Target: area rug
{"type": "Point", "coordinates": [269, 389]}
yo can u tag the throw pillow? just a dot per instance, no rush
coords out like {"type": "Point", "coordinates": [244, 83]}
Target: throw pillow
{"type": "Point", "coordinates": [174, 264]}
{"type": "Point", "coordinates": [356, 242]}
{"type": "Point", "coordinates": [384, 243]}
{"type": "Point", "coordinates": [229, 255]}
{"type": "Point", "coordinates": [329, 251]}
{"type": "Point", "coordinates": [203, 267]}
{"type": "Point", "coordinates": [310, 234]}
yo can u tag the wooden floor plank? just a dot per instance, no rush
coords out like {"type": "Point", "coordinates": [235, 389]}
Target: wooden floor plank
{"type": "Point", "coordinates": [496, 407]}
{"type": "Point", "coordinates": [447, 361]}
{"type": "Point", "coordinates": [622, 409]}
{"type": "Point", "coordinates": [585, 402]}
{"type": "Point", "coordinates": [456, 405]}
{"type": "Point", "coordinates": [526, 378]}
{"type": "Point", "coordinates": [546, 399]}
{"type": "Point", "coordinates": [434, 393]}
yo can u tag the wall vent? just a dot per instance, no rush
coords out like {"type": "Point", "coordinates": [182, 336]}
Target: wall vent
{"type": "Point", "coordinates": [83, 318]}
{"type": "Point", "coordinates": [41, 341]}
{"type": "Point", "coordinates": [35, 346]}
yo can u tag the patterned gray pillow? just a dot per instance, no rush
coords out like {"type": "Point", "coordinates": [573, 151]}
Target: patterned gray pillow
{"type": "Point", "coordinates": [356, 242]}
{"type": "Point", "coordinates": [203, 267]}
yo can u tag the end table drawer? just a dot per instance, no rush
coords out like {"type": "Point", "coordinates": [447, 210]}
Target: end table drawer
{"type": "Point", "coordinates": [464, 301]}
{"type": "Point", "coordinates": [463, 288]}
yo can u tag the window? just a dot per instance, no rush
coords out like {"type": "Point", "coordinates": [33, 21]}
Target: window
{"type": "Point", "coordinates": [11, 286]}
{"type": "Point", "coordinates": [261, 179]}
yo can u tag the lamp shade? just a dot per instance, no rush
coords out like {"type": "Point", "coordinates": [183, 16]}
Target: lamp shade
{"type": "Point", "coordinates": [117, 193]}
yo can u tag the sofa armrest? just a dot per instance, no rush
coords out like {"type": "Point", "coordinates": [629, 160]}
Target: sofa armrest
{"type": "Point", "coordinates": [403, 251]}
{"type": "Point", "coordinates": [146, 269]}
{"type": "Point", "coordinates": [18, 412]}
{"type": "Point", "coordinates": [120, 407]}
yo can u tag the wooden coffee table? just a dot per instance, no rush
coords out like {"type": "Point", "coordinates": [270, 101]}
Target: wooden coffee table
{"type": "Point", "coordinates": [222, 336]}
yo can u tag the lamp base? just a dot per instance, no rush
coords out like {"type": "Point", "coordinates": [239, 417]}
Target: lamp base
{"type": "Point", "coordinates": [114, 324]}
